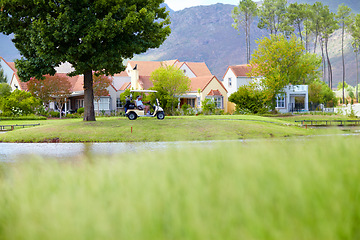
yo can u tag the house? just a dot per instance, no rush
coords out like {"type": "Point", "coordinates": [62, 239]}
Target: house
{"type": "Point", "coordinates": [203, 84]}
{"type": "Point", "coordinates": [10, 72]}
{"type": "Point", "coordinates": [293, 98]}
{"type": "Point", "coordinates": [136, 76]}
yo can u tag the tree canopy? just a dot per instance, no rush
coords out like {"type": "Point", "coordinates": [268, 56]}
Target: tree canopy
{"type": "Point", "coordinates": [92, 35]}
{"type": "Point", "coordinates": [170, 82]}
{"type": "Point", "coordinates": [52, 87]}
{"type": "Point", "coordinates": [279, 61]}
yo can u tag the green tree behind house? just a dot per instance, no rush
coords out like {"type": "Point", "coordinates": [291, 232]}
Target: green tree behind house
{"type": "Point", "coordinates": [281, 61]}
{"type": "Point", "coordinates": [170, 83]}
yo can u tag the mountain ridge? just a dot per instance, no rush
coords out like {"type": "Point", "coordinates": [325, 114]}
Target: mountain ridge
{"type": "Point", "coordinates": [205, 34]}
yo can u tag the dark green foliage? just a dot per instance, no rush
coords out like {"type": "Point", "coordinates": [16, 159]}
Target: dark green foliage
{"type": "Point", "coordinates": [5, 90]}
{"type": "Point", "coordinates": [319, 92]}
{"type": "Point", "coordinates": [3, 78]}
{"type": "Point", "coordinates": [169, 82]}
{"type": "Point", "coordinates": [19, 103]}
{"type": "Point", "coordinates": [54, 114]}
{"type": "Point", "coordinates": [80, 110]}
{"type": "Point", "coordinates": [28, 117]}
{"type": "Point", "coordinates": [208, 106]}
{"type": "Point", "coordinates": [248, 99]}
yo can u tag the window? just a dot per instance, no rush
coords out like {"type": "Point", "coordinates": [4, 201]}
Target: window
{"type": "Point", "coordinates": [229, 82]}
{"type": "Point", "coordinates": [104, 104]}
{"type": "Point", "coordinates": [79, 103]}
{"type": "Point", "coordinates": [119, 103]}
{"type": "Point", "coordinates": [198, 102]}
{"type": "Point", "coordinates": [280, 100]}
{"type": "Point", "coordinates": [218, 100]}
{"type": "Point", "coordinates": [191, 102]}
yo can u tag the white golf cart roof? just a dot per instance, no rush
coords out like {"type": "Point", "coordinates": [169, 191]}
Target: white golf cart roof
{"type": "Point", "coordinates": [144, 91]}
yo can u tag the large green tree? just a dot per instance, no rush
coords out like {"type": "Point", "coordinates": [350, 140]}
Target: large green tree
{"type": "Point", "coordinates": [92, 35]}
{"type": "Point", "coordinates": [279, 61]}
{"type": "Point", "coordinates": [170, 83]}
{"type": "Point", "coordinates": [243, 16]}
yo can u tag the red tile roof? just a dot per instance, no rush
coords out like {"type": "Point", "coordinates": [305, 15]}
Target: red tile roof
{"type": "Point", "coordinates": [77, 82]}
{"type": "Point", "coordinates": [125, 86]}
{"type": "Point", "coordinates": [122, 74]}
{"type": "Point", "coordinates": [145, 68]}
{"type": "Point", "coordinates": [12, 66]}
{"type": "Point", "coordinates": [145, 82]}
{"type": "Point", "coordinates": [214, 93]}
{"type": "Point", "coordinates": [199, 68]}
{"type": "Point", "coordinates": [202, 82]}
{"type": "Point", "coordinates": [240, 70]}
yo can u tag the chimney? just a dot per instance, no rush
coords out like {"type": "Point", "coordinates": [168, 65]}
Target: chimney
{"type": "Point", "coordinates": [135, 85]}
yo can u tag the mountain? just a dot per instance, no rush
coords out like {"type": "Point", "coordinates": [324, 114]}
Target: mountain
{"type": "Point", "coordinates": [205, 34]}
{"type": "Point", "coordinates": [333, 4]}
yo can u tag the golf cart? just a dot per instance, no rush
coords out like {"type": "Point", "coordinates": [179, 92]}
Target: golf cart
{"type": "Point", "coordinates": [133, 112]}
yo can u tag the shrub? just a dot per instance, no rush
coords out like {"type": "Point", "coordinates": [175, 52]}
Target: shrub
{"type": "Point", "coordinates": [73, 115]}
{"type": "Point", "coordinates": [80, 110]}
{"type": "Point", "coordinates": [28, 117]}
{"type": "Point", "coordinates": [19, 103]}
{"type": "Point", "coordinates": [248, 100]}
{"type": "Point", "coordinates": [54, 114]}
{"type": "Point", "coordinates": [208, 106]}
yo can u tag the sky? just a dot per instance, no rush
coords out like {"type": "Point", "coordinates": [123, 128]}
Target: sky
{"type": "Point", "coordinates": [177, 5]}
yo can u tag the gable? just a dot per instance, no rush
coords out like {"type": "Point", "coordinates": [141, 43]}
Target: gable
{"type": "Point", "coordinates": [187, 71]}
{"type": "Point", "coordinates": [8, 68]}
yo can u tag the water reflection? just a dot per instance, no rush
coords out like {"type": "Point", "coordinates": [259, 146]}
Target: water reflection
{"type": "Point", "coordinates": [14, 151]}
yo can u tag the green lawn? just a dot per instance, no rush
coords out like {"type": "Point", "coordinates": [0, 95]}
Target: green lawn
{"type": "Point", "coordinates": [259, 190]}
{"type": "Point", "coordinates": [183, 128]}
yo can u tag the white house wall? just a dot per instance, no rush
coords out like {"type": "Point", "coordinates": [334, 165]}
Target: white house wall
{"type": "Point", "coordinates": [230, 88]}
{"type": "Point", "coordinates": [241, 81]}
{"type": "Point", "coordinates": [118, 81]}
{"type": "Point", "coordinates": [187, 71]}
{"type": "Point", "coordinates": [291, 92]}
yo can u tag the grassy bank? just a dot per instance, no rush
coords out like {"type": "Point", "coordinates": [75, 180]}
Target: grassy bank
{"type": "Point", "coordinates": [117, 129]}
{"type": "Point", "coordinates": [278, 189]}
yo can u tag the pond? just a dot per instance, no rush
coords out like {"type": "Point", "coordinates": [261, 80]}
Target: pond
{"type": "Point", "coordinates": [15, 151]}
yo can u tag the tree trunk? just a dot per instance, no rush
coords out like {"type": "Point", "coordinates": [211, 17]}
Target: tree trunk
{"type": "Point", "coordinates": [89, 113]}
{"type": "Point", "coordinates": [357, 77]}
{"type": "Point", "coordinates": [247, 43]}
{"type": "Point", "coordinates": [343, 61]}
{"type": "Point", "coordinates": [323, 59]}
{"type": "Point", "coordinates": [329, 64]}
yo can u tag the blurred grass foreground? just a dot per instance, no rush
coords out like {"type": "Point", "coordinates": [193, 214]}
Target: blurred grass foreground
{"type": "Point", "coordinates": [282, 189]}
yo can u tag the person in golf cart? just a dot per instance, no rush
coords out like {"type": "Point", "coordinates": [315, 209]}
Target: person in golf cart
{"type": "Point", "coordinates": [141, 106]}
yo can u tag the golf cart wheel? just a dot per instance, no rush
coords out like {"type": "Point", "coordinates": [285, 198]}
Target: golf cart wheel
{"type": "Point", "coordinates": [160, 115]}
{"type": "Point", "coordinates": [132, 116]}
